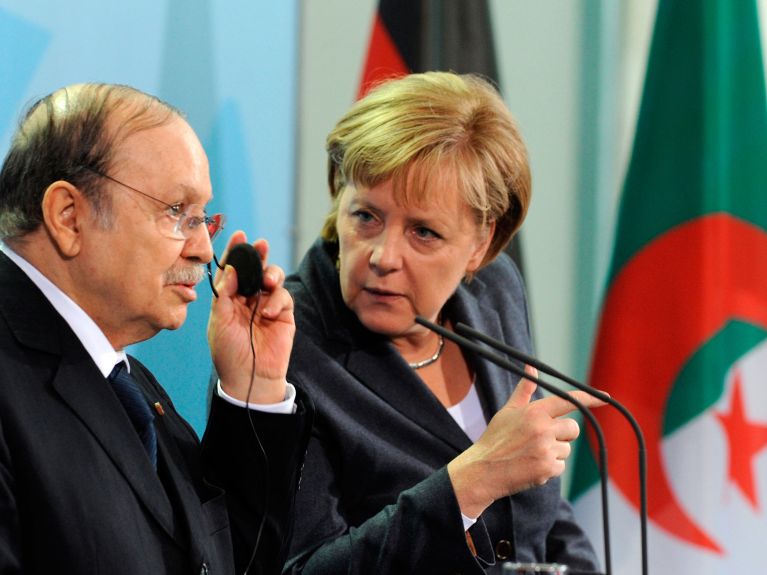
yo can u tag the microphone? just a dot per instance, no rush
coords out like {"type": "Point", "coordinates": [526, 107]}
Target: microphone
{"type": "Point", "coordinates": [468, 331]}
{"type": "Point", "coordinates": [506, 364]}
{"type": "Point", "coordinates": [247, 263]}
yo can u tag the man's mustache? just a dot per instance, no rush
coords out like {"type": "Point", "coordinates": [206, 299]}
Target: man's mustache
{"type": "Point", "coordinates": [190, 275]}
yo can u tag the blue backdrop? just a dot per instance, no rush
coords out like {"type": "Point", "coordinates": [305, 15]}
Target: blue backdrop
{"type": "Point", "coordinates": [230, 65]}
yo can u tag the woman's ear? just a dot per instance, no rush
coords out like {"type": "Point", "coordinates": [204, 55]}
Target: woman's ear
{"type": "Point", "coordinates": [483, 244]}
{"type": "Point", "coordinates": [64, 210]}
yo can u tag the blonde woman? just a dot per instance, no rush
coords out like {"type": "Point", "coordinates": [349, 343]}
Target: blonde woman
{"type": "Point", "coordinates": [424, 459]}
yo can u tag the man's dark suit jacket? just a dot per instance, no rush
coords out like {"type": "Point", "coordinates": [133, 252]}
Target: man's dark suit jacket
{"type": "Point", "coordinates": [375, 496]}
{"type": "Point", "coordinates": [78, 493]}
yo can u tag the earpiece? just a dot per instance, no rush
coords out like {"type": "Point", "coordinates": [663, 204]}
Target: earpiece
{"type": "Point", "coordinates": [247, 263]}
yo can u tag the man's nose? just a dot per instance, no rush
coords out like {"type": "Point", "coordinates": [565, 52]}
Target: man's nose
{"type": "Point", "coordinates": [198, 246]}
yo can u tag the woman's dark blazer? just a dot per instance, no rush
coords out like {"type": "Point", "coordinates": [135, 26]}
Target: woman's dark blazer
{"type": "Point", "coordinates": [375, 495]}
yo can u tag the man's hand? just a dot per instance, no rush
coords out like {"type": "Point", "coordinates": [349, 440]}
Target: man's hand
{"type": "Point", "coordinates": [229, 332]}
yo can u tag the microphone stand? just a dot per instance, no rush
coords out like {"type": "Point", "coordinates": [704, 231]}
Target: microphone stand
{"type": "Point", "coordinates": [506, 364]}
{"type": "Point", "coordinates": [642, 453]}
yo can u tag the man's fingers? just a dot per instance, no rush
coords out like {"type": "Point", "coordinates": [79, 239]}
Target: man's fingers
{"type": "Point", "coordinates": [262, 247]}
{"type": "Point", "coordinates": [275, 303]}
{"type": "Point", "coordinates": [228, 284]}
{"type": "Point", "coordinates": [274, 276]}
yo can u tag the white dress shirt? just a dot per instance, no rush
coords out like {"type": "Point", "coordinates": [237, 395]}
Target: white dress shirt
{"type": "Point", "coordinates": [468, 415]}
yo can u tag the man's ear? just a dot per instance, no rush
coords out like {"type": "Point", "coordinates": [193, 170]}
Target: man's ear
{"type": "Point", "coordinates": [64, 211]}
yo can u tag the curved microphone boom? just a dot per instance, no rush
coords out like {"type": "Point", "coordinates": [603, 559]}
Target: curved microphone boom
{"type": "Point", "coordinates": [469, 331]}
{"type": "Point", "coordinates": [506, 364]}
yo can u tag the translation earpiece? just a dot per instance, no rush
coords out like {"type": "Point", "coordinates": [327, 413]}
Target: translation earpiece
{"type": "Point", "coordinates": [247, 263]}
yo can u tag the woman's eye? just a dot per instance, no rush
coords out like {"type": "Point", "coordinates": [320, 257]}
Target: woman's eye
{"type": "Point", "coordinates": [425, 233]}
{"type": "Point", "coordinates": [363, 216]}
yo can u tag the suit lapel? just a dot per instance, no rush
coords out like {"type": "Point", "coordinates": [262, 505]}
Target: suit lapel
{"type": "Point", "coordinates": [79, 383]}
{"type": "Point", "coordinates": [88, 395]}
{"type": "Point", "coordinates": [29, 315]}
{"type": "Point", "coordinates": [188, 507]}
{"type": "Point", "coordinates": [189, 510]}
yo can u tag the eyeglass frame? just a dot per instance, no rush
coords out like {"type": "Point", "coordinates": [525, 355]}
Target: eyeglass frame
{"type": "Point", "coordinates": [206, 220]}
{"type": "Point", "coordinates": [219, 219]}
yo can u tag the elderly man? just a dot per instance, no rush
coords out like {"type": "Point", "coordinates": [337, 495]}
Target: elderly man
{"type": "Point", "coordinates": [104, 233]}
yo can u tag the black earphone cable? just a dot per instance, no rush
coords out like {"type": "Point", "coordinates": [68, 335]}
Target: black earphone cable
{"type": "Point", "coordinates": [261, 449]}
{"type": "Point", "coordinates": [260, 445]}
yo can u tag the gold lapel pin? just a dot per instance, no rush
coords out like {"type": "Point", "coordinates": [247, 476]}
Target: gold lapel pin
{"type": "Point", "coordinates": [158, 408]}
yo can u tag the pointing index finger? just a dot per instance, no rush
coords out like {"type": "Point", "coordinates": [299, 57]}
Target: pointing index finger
{"type": "Point", "coordinates": [557, 406]}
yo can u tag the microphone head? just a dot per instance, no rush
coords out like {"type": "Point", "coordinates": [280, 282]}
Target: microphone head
{"type": "Point", "coordinates": [247, 263]}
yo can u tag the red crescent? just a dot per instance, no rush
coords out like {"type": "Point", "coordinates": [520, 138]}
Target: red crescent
{"type": "Point", "coordinates": [666, 303]}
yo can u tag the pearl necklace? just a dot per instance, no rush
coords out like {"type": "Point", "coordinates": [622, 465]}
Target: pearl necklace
{"type": "Point", "coordinates": [432, 359]}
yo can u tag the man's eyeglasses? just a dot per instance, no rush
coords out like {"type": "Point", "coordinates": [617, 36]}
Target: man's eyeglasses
{"type": "Point", "coordinates": [178, 221]}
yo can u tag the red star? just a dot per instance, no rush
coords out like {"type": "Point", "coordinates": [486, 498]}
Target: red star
{"type": "Point", "coordinates": [746, 440]}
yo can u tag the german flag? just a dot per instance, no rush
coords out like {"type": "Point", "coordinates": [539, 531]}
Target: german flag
{"type": "Point", "coordinates": [424, 35]}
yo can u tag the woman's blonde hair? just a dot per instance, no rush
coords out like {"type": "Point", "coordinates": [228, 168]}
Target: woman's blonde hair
{"type": "Point", "coordinates": [414, 128]}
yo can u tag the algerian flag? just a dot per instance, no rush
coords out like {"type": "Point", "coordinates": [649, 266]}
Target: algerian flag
{"type": "Point", "coordinates": [682, 341]}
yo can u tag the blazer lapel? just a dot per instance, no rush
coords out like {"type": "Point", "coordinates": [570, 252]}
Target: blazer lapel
{"type": "Point", "coordinates": [495, 383]}
{"type": "Point", "coordinates": [383, 370]}
{"type": "Point", "coordinates": [372, 359]}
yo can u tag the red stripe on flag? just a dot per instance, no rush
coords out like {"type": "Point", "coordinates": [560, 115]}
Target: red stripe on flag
{"type": "Point", "coordinates": [383, 59]}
